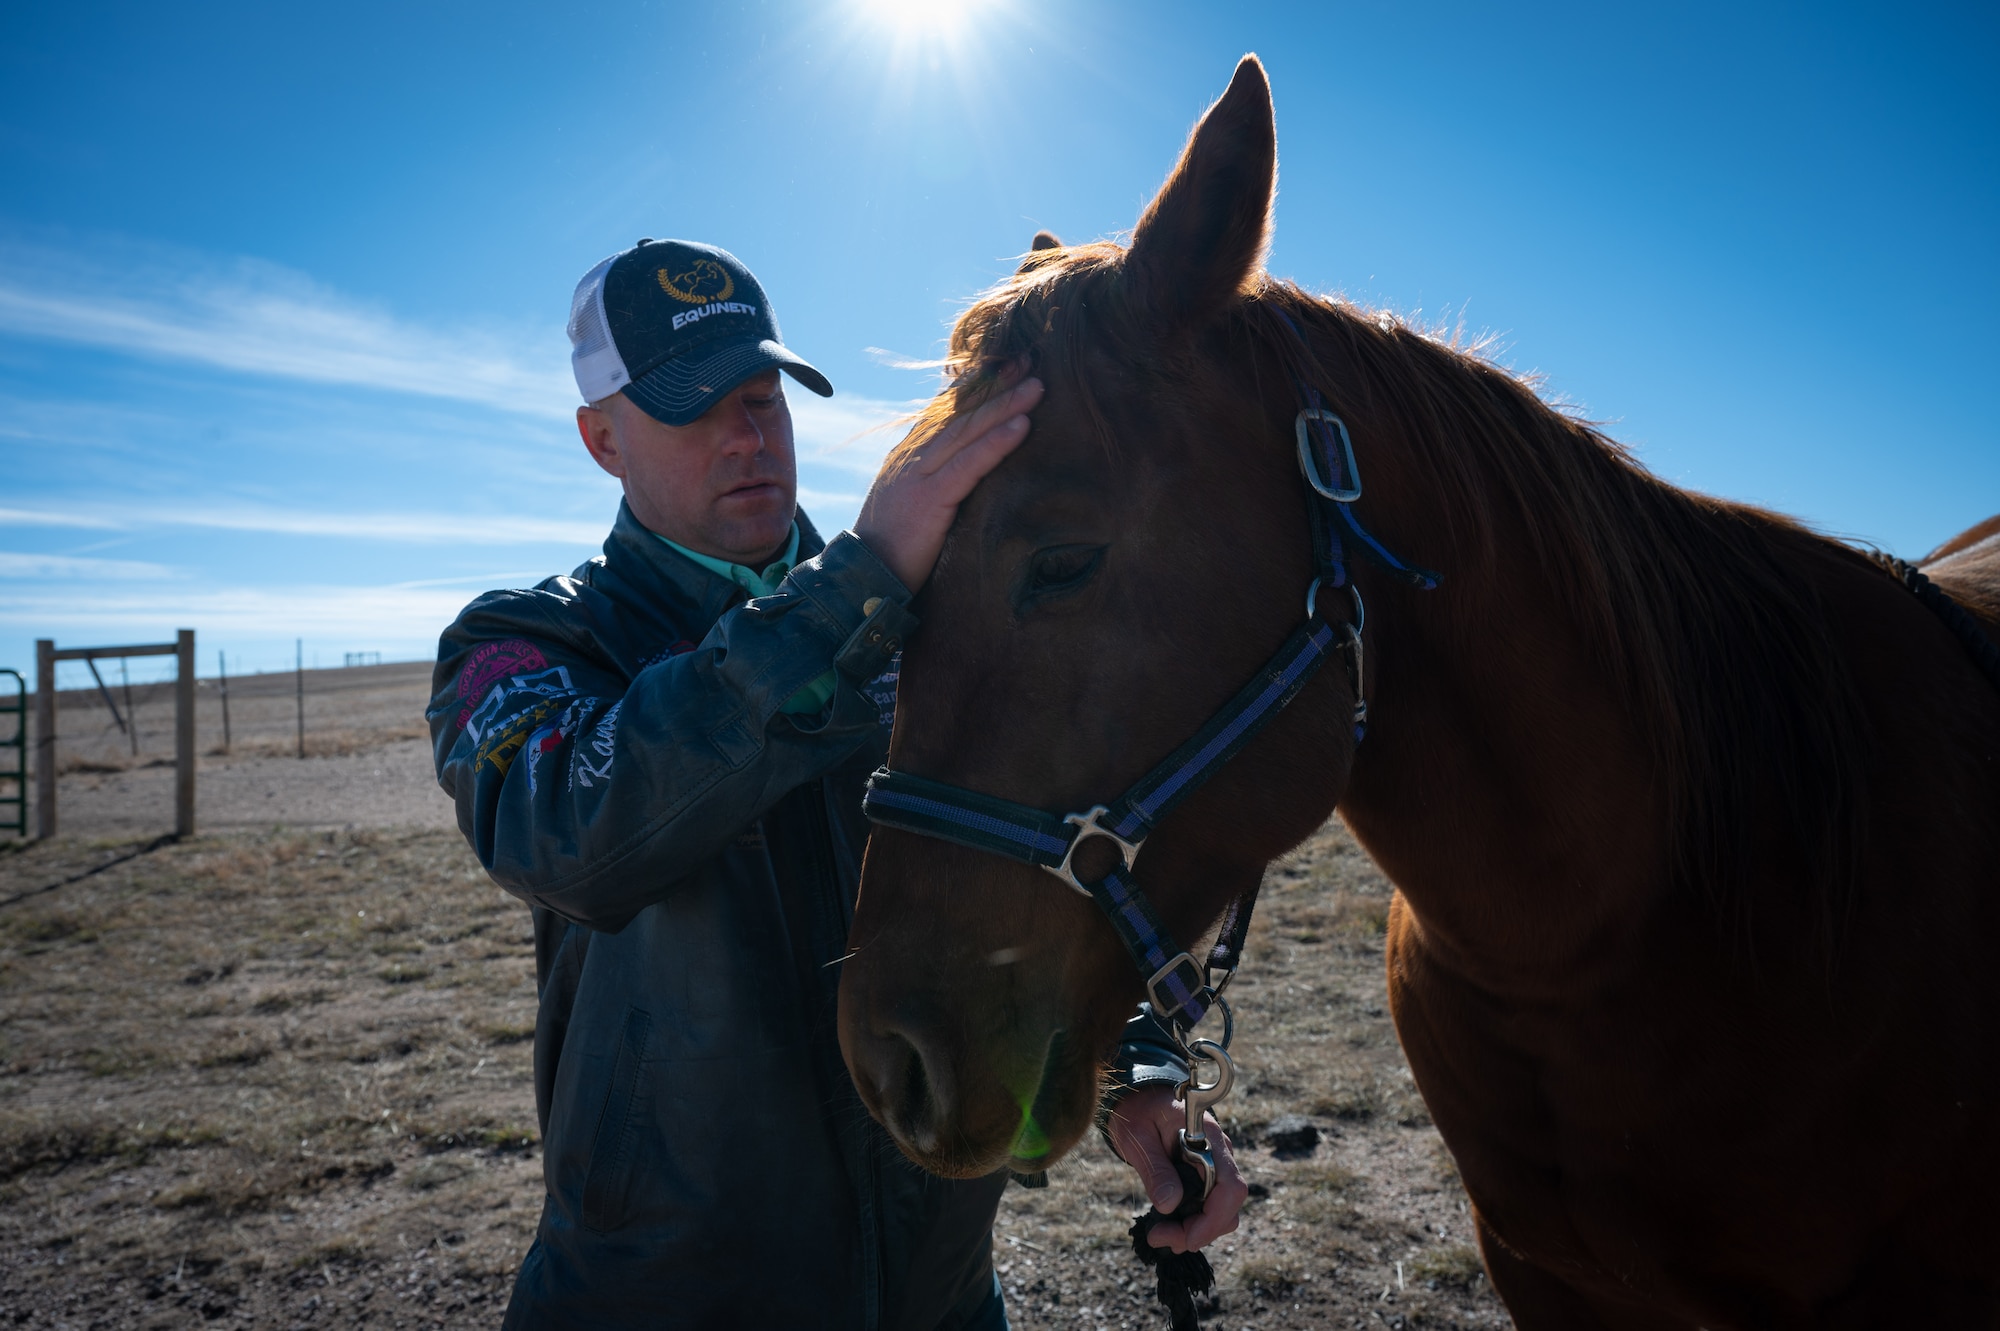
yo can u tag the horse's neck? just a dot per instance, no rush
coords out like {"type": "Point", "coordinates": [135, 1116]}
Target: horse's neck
{"type": "Point", "coordinates": [1504, 786]}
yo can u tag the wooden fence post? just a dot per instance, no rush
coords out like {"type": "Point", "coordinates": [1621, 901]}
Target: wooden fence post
{"type": "Point", "coordinates": [184, 733]}
{"type": "Point", "coordinates": [45, 737]}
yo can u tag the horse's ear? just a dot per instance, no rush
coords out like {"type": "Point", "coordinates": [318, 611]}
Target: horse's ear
{"type": "Point", "coordinates": [1044, 240]}
{"type": "Point", "coordinates": [1203, 237]}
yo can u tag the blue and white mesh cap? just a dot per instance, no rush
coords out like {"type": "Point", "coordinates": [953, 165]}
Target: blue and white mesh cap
{"type": "Point", "coordinates": [675, 326]}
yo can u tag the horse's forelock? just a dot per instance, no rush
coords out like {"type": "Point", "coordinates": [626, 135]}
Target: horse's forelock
{"type": "Point", "coordinates": [1018, 318]}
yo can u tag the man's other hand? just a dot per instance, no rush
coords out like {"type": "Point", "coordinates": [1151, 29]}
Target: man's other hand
{"type": "Point", "coordinates": [910, 507]}
{"type": "Point", "coordinates": [1145, 1131]}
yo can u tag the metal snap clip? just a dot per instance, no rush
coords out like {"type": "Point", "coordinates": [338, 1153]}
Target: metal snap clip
{"type": "Point", "coordinates": [1198, 1097]}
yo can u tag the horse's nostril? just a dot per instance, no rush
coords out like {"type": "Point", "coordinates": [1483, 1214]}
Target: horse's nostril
{"type": "Point", "coordinates": [913, 1106]}
{"type": "Point", "coordinates": [907, 1092]}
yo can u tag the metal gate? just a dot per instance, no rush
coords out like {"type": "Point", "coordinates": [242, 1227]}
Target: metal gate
{"type": "Point", "coordinates": [14, 804]}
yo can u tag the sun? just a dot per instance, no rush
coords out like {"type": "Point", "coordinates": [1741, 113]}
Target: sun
{"type": "Point", "coordinates": [917, 19]}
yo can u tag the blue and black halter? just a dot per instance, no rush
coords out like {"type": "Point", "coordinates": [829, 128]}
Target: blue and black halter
{"type": "Point", "coordinates": [1181, 991]}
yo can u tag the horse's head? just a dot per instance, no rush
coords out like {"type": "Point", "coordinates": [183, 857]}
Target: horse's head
{"type": "Point", "coordinates": [1102, 594]}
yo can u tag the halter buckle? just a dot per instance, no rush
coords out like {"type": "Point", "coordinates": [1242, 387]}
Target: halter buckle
{"type": "Point", "coordinates": [1308, 464]}
{"type": "Point", "coordinates": [1189, 973]}
{"type": "Point", "coordinates": [1089, 825]}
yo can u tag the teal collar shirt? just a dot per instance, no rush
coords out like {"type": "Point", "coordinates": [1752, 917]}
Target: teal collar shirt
{"type": "Point", "coordinates": [813, 697]}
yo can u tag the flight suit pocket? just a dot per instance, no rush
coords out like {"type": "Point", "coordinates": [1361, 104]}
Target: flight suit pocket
{"type": "Point", "coordinates": [605, 1186]}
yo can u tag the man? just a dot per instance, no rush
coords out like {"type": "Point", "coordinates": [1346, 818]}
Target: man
{"type": "Point", "coordinates": [663, 754]}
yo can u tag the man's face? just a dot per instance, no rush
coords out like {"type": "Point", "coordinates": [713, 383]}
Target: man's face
{"type": "Point", "coordinates": [726, 485]}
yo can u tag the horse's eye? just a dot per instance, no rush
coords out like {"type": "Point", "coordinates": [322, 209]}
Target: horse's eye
{"type": "Point", "coordinates": [1063, 568]}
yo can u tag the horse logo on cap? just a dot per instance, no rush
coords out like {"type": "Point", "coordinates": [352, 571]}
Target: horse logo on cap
{"type": "Point", "coordinates": [704, 281]}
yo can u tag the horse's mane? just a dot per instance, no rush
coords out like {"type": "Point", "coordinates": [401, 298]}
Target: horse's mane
{"type": "Point", "coordinates": [1696, 606]}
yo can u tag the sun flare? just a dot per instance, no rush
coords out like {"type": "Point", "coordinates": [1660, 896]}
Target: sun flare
{"type": "Point", "coordinates": [908, 19]}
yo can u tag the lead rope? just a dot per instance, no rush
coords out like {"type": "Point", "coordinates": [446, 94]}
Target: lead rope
{"type": "Point", "coordinates": [1179, 1278]}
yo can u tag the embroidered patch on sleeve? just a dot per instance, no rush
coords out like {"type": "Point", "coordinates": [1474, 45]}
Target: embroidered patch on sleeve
{"type": "Point", "coordinates": [590, 759]}
{"type": "Point", "coordinates": [489, 663]}
{"type": "Point", "coordinates": [511, 711]}
{"type": "Point", "coordinates": [501, 745]}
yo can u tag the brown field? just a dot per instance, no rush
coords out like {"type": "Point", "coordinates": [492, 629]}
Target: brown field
{"type": "Point", "coordinates": [279, 1076]}
{"type": "Point", "coordinates": [345, 711]}
{"type": "Point", "coordinates": [367, 762]}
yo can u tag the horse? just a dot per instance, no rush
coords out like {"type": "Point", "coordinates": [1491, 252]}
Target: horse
{"type": "Point", "coordinates": [1693, 814]}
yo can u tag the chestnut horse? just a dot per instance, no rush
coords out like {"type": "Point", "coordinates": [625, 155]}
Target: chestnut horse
{"type": "Point", "coordinates": [1693, 814]}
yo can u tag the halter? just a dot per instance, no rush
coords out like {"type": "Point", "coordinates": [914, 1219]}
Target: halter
{"type": "Point", "coordinates": [1180, 990]}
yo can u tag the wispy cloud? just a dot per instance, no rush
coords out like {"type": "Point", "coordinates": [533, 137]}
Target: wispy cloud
{"type": "Point", "coordinates": [28, 517]}
{"type": "Point", "coordinates": [256, 625]}
{"type": "Point", "coordinates": [362, 615]}
{"type": "Point", "coordinates": [831, 504]}
{"type": "Point", "coordinates": [417, 528]}
{"type": "Point", "coordinates": [850, 433]}
{"type": "Point", "coordinates": [14, 565]}
{"type": "Point", "coordinates": [241, 398]}
{"type": "Point", "coordinates": [840, 444]}
{"type": "Point", "coordinates": [258, 318]}
{"type": "Point", "coordinates": [433, 528]}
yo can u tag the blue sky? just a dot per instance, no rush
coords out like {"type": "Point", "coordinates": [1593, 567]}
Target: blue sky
{"type": "Point", "coordinates": [282, 288]}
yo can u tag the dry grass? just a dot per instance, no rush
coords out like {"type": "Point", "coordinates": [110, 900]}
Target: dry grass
{"type": "Point", "coordinates": [330, 741]}
{"type": "Point", "coordinates": [256, 1076]}
{"type": "Point", "coordinates": [346, 712]}
{"type": "Point", "coordinates": [283, 1079]}
{"type": "Point", "coordinates": [1457, 1265]}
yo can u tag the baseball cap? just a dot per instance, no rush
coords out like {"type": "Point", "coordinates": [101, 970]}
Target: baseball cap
{"type": "Point", "coordinates": [675, 325]}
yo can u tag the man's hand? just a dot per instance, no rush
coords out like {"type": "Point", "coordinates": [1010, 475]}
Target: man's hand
{"type": "Point", "coordinates": [1145, 1132]}
{"type": "Point", "coordinates": [909, 508]}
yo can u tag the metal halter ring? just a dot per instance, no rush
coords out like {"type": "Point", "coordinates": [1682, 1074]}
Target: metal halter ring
{"type": "Point", "coordinates": [1360, 610]}
{"type": "Point", "coordinates": [1215, 999]}
{"type": "Point", "coordinates": [1088, 825]}
{"type": "Point", "coordinates": [1339, 494]}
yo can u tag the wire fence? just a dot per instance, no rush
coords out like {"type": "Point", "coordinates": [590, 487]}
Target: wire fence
{"type": "Point", "coordinates": [117, 716]}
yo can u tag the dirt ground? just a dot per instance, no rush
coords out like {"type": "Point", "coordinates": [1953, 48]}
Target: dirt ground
{"type": "Point", "coordinates": [367, 763]}
{"type": "Point", "coordinates": [278, 1075]}
{"type": "Point", "coordinates": [264, 1079]}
